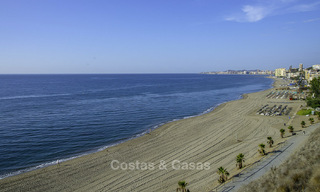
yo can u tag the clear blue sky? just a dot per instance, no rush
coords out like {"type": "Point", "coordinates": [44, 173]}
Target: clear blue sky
{"type": "Point", "coordinates": [157, 36]}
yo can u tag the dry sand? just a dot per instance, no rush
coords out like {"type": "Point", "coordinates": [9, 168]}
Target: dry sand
{"type": "Point", "coordinates": [209, 138]}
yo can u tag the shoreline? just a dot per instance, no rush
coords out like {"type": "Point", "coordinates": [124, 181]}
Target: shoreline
{"type": "Point", "coordinates": [143, 143]}
{"type": "Point", "coordinates": [98, 149]}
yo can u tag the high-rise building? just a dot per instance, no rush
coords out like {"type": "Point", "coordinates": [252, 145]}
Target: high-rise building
{"type": "Point", "coordinates": [300, 67]}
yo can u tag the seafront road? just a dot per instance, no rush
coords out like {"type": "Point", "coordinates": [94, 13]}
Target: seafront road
{"type": "Point", "coordinates": [276, 158]}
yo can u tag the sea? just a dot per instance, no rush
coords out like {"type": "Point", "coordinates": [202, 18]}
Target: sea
{"type": "Point", "coordinates": [46, 119]}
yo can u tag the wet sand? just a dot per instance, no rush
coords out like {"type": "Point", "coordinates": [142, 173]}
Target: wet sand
{"type": "Point", "coordinates": [215, 138]}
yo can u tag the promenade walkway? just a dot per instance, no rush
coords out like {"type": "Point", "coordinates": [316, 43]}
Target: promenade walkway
{"type": "Point", "coordinates": [276, 158]}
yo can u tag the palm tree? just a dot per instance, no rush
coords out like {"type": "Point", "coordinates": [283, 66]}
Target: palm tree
{"type": "Point", "coordinates": [182, 186]}
{"type": "Point", "coordinates": [282, 131]}
{"type": "Point", "coordinates": [223, 174]}
{"type": "Point", "coordinates": [270, 141]}
{"type": "Point", "coordinates": [261, 150]}
{"type": "Point", "coordinates": [240, 159]}
{"type": "Point", "coordinates": [303, 124]}
{"type": "Point", "coordinates": [311, 120]}
{"type": "Point", "coordinates": [290, 129]}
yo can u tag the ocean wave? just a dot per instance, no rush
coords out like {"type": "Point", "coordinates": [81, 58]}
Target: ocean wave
{"type": "Point", "coordinates": [39, 166]}
{"type": "Point", "coordinates": [33, 96]}
{"type": "Point", "coordinates": [55, 162]}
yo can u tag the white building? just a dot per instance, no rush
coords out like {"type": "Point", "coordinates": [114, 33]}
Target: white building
{"type": "Point", "coordinates": [280, 72]}
{"type": "Point", "coordinates": [316, 67]}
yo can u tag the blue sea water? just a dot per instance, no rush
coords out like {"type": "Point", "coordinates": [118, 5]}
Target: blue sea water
{"type": "Point", "coordinates": [45, 118]}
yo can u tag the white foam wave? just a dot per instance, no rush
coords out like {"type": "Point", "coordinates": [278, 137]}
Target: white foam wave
{"type": "Point", "coordinates": [38, 166]}
{"type": "Point", "coordinates": [32, 96]}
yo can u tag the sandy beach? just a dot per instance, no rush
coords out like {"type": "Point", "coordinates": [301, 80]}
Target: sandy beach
{"type": "Point", "coordinates": [190, 149]}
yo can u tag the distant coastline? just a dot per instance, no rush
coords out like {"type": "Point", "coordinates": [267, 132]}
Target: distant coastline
{"type": "Point", "coordinates": [240, 72]}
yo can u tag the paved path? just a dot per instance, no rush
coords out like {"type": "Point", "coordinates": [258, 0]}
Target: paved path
{"type": "Point", "coordinates": [274, 160]}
